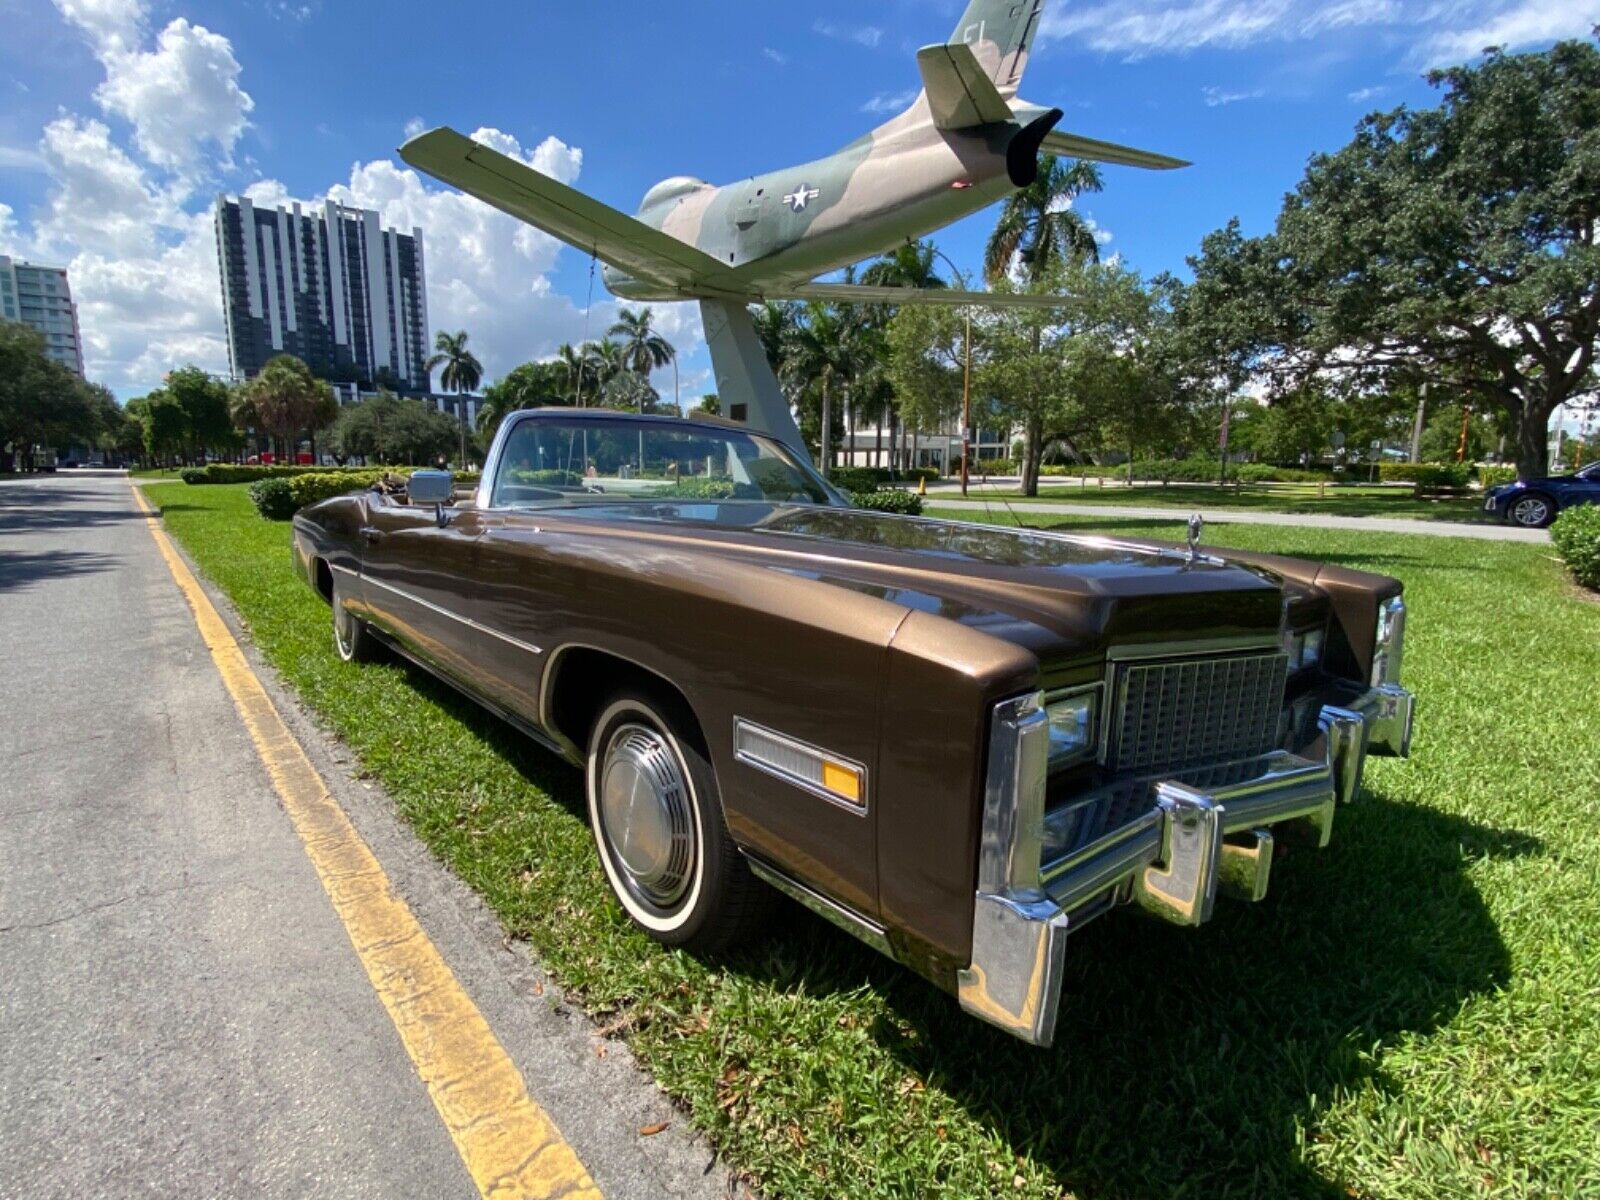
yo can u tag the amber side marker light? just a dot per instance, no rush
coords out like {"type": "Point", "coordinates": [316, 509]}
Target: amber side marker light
{"type": "Point", "coordinates": [808, 767]}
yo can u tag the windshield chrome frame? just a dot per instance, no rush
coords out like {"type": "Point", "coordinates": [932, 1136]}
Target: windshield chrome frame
{"type": "Point", "coordinates": [491, 464]}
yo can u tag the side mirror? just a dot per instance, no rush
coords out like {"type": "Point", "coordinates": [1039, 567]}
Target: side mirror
{"type": "Point", "coordinates": [432, 487]}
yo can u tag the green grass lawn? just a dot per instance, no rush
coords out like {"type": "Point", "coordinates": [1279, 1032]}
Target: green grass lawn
{"type": "Point", "coordinates": [1414, 1012]}
{"type": "Point", "coordinates": [1344, 501]}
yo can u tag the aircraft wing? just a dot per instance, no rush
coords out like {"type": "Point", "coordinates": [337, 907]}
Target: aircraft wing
{"type": "Point", "coordinates": [859, 293]}
{"type": "Point", "coordinates": [613, 237]}
{"type": "Point", "coordinates": [959, 92]}
{"type": "Point", "coordinates": [1070, 145]}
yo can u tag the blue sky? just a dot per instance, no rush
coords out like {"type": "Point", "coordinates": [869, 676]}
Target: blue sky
{"type": "Point", "coordinates": [122, 118]}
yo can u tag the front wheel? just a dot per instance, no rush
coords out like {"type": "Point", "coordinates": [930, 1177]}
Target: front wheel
{"type": "Point", "coordinates": [351, 637]}
{"type": "Point", "coordinates": [1533, 511]}
{"type": "Point", "coordinates": [658, 827]}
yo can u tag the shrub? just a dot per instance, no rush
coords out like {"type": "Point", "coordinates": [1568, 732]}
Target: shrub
{"type": "Point", "coordinates": [273, 499]}
{"type": "Point", "coordinates": [996, 466]}
{"type": "Point", "coordinates": [528, 478]}
{"type": "Point", "coordinates": [324, 485]}
{"type": "Point", "coordinates": [195, 476]}
{"type": "Point", "coordinates": [1426, 475]}
{"type": "Point", "coordinates": [906, 504]}
{"type": "Point", "coordinates": [691, 488]}
{"type": "Point", "coordinates": [1267, 473]}
{"type": "Point", "coordinates": [870, 479]}
{"type": "Point", "coordinates": [1576, 535]}
{"type": "Point", "coordinates": [1178, 470]}
{"type": "Point", "coordinates": [1491, 476]}
{"type": "Point", "coordinates": [231, 473]}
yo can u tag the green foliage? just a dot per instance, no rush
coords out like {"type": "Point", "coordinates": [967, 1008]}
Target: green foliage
{"type": "Point", "coordinates": [570, 479]}
{"type": "Point", "coordinates": [889, 500]}
{"type": "Point", "coordinates": [195, 476]}
{"type": "Point", "coordinates": [462, 372]}
{"type": "Point", "coordinates": [388, 429]}
{"type": "Point", "coordinates": [870, 479]}
{"type": "Point", "coordinates": [1426, 475]}
{"type": "Point", "coordinates": [1453, 245]}
{"type": "Point", "coordinates": [1365, 1024]}
{"type": "Point", "coordinates": [1004, 466]}
{"type": "Point", "coordinates": [222, 473]}
{"type": "Point", "coordinates": [1265, 473]}
{"type": "Point", "coordinates": [285, 400]}
{"type": "Point", "coordinates": [1493, 476]}
{"type": "Point", "coordinates": [203, 399]}
{"type": "Point", "coordinates": [41, 401]}
{"type": "Point", "coordinates": [273, 499]}
{"type": "Point", "coordinates": [317, 486]}
{"type": "Point", "coordinates": [1576, 535]}
{"type": "Point", "coordinates": [703, 489]}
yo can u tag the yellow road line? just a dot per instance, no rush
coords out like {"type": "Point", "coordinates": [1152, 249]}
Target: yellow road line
{"type": "Point", "coordinates": [509, 1144]}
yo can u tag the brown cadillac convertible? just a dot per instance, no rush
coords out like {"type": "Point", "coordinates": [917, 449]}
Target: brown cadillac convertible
{"type": "Point", "coordinates": [958, 742]}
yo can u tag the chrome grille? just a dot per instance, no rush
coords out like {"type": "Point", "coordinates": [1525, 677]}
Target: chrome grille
{"type": "Point", "coordinates": [1188, 712]}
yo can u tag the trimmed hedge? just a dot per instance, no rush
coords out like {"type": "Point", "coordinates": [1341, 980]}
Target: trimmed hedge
{"type": "Point", "coordinates": [1427, 475]}
{"type": "Point", "coordinates": [994, 466]}
{"type": "Point", "coordinates": [1496, 476]}
{"type": "Point", "coordinates": [870, 479]}
{"type": "Point", "coordinates": [905, 504]}
{"type": "Point", "coordinates": [1576, 535]}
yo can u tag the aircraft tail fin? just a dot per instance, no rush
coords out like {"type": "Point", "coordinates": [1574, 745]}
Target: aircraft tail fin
{"type": "Point", "coordinates": [1000, 33]}
{"type": "Point", "coordinates": [959, 93]}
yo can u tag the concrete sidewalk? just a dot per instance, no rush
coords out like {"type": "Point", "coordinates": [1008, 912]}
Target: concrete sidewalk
{"type": "Point", "coordinates": [938, 501]}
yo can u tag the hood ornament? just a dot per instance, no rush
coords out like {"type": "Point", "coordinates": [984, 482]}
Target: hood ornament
{"type": "Point", "coordinates": [1197, 525]}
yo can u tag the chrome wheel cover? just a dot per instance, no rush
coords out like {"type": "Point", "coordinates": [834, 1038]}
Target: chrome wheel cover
{"type": "Point", "coordinates": [646, 815]}
{"type": "Point", "coordinates": [344, 630]}
{"type": "Point", "coordinates": [1531, 511]}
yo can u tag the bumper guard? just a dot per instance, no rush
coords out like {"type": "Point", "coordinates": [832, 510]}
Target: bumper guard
{"type": "Point", "coordinates": [1207, 833]}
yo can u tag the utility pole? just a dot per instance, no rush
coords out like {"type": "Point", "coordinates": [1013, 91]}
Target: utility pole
{"type": "Point", "coordinates": [1416, 430]}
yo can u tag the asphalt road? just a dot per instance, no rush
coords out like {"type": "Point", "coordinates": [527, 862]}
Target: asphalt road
{"type": "Point", "coordinates": [181, 1010]}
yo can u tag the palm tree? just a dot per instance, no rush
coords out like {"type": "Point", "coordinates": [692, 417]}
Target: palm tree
{"type": "Point", "coordinates": [462, 374]}
{"type": "Point", "coordinates": [643, 349]}
{"type": "Point", "coordinates": [284, 399]}
{"type": "Point", "coordinates": [576, 365]}
{"type": "Point", "coordinates": [1038, 224]}
{"type": "Point", "coordinates": [603, 362]}
{"type": "Point", "coordinates": [831, 347]}
{"type": "Point", "coordinates": [910, 266]}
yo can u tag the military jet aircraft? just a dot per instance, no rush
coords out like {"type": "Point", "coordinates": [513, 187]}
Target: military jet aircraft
{"type": "Point", "coordinates": [964, 143]}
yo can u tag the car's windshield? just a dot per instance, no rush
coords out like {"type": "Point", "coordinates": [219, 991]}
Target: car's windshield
{"type": "Point", "coordinates": [1591, 473]}
{"type": "Point", "coordinates": [564, 460]}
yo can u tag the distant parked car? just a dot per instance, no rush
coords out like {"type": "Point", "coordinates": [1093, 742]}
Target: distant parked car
{"type": "Point", "coordinates": [1537, 502]}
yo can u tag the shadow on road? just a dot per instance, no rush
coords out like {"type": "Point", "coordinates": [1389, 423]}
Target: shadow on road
{"type": "Point", "coordinates": [21, 569]}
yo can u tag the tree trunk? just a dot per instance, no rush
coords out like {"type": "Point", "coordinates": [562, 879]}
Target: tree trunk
{"type": "Point", "coordinates": [894, 439]}
{"type": "Point", "coordinates": [1533, 440]}
{"type": "Point", "coordinates": [826, 448]}
{"type": "Point", "coordinates": [1032, 455]}
{"type": "Point", "coordinates": [877, 444]}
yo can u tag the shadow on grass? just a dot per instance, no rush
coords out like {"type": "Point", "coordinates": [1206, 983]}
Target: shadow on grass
{"type": "Point", "coordinates": [1192, 1061]}
{"type": "Point", "coordinates": [1187, 1062]}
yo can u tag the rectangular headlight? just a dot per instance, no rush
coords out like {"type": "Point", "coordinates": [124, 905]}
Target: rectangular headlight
{"type": "Point", "coordinates": [1074, 719]}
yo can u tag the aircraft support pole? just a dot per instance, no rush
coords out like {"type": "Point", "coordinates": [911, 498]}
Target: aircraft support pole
{"type": "Point", "coordinates": [745, 379]}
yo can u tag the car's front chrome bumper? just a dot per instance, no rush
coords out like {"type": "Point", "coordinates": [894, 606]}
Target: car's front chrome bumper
{"type": "Point", "coordinates": [1209, 832]}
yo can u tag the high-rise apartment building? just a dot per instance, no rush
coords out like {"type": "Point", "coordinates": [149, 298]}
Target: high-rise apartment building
{"type": "Point", "coordinates": [39, 296]}
{"type": "Point", "coordinates": [330, 286]}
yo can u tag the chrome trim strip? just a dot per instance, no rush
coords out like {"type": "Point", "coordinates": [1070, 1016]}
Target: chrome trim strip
{"type": "Point", "coordinates": [445, 612]}
{"type": "Point", "coordinates": [741, 725]}
{"type": "Point", "coordinates": [1192, 649]}
{"type": "Point", "coordinates": [344, 571]}
{"type": "Point", "coordinates": [830, 910]}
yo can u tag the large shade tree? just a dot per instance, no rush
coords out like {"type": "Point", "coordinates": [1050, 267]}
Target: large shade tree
{"type": "Point", "coordinates": [1457, 245]}
{"type": "Point", "coordinates": [284, 400]}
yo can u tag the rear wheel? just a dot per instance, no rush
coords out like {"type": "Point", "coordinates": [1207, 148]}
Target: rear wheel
{"type": "Point", "coordinates": [1533, 511]}
{"type": "Point", "coordinates": [351, 637]}
{"type": "Point", "coordinates": [657, 820]}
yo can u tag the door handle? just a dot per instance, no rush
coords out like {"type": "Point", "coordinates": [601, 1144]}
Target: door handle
{"type": "Point", "coordinates": [373, 536]}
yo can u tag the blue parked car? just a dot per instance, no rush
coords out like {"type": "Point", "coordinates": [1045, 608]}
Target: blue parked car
{"type": "Point", "coordinates": [1539, 501]}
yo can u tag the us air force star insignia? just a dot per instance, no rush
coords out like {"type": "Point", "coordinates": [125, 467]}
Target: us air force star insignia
{"type": "Point", "coordinates": [801, 196]}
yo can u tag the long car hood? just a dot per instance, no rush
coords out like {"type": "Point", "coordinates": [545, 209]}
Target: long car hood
{"type": "Point", "coordinates": [1037, 589]}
